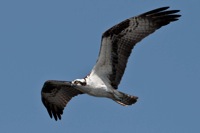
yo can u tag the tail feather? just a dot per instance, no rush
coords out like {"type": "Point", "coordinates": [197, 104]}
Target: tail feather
{"type": "Point", "coordinates": [124, 99]}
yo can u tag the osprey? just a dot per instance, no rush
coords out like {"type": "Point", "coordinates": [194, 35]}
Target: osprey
{"type": "Point", "coordinates": [116, 46]}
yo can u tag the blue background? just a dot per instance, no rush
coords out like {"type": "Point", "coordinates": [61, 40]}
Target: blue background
{"type": "Point", "coordinates": [47, 39]}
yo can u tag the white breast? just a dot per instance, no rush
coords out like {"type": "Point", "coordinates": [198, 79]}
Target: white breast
{"type": "Point", "coordinates": [96, 87]}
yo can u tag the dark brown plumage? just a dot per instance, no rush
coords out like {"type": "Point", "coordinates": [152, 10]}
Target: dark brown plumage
{"type": "Point", "coordinates": [116, 46]}
{"type": "Point", "coordinates": [126, 34]}
{"type": "Point", "coordinates": [56, 95]}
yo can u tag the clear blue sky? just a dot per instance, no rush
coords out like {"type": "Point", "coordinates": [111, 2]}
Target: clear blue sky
{"type": "Point", "coordinates": [41, 40]}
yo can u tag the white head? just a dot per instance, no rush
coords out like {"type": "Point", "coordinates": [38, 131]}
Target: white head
{"type": "Point", "coordinates": [79, 82]}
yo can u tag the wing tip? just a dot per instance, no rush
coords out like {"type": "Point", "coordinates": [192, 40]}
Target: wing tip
{"type": "Point", "coordinates": [155, 10]}
{"type": "Point", "coordinates": [56, 114]}
{"type": "Point", "coordinates": [161, 16]}
{"type": "Point", "coordinates": [51, 111]}
{"type": "Point", "coordinates": [160, 10]}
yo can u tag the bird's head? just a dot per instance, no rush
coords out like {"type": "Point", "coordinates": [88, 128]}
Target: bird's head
{"type": "Point", "coordinates": [79, 82]}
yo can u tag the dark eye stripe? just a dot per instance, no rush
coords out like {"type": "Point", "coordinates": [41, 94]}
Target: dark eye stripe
{"type": "Point", "coordinates": [83, 83]}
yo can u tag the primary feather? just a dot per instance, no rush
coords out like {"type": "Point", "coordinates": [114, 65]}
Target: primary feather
{"type": "Point", "coordinates": [116, 46]}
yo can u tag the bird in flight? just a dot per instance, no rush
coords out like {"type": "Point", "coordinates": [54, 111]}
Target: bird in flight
{"type": "Point", "coordinates": [103, 80]}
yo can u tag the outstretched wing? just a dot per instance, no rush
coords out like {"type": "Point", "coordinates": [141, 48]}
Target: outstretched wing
{"type": "Point", "coordinates": [56, 95]}
{"type": "Point", "coordinates": [118, 42]}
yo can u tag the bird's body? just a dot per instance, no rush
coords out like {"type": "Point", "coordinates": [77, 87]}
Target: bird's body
{"type": "Point", "coordinates": [94, 87]}
{"type": "Point", "coordinates": [116, 46]}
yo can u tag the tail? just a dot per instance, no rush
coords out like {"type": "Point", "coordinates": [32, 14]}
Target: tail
{"type": "Point", "coordinates": [124, 99]}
